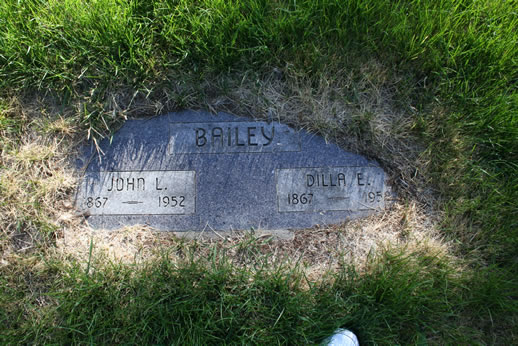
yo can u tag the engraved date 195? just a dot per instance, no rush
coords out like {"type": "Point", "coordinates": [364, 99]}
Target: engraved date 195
{"type": "Point", "coordinates": [375, 197]}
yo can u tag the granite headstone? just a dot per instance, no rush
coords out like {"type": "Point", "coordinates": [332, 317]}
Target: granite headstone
{"type": "Point", "coordinates": [192, 171]}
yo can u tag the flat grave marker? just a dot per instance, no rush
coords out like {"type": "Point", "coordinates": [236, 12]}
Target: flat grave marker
{"type": "Point", "coordinates": [194, 171]}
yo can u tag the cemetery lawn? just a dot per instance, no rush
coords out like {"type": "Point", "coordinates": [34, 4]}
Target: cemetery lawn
{"type": "Point", "coordinates": [427, 88]}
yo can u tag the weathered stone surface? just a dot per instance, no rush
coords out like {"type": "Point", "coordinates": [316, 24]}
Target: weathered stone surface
{"type": "Point", "coordinates": [194, 171]}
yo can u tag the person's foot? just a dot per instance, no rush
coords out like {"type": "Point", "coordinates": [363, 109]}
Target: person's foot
{"type": "Point", "coordinates": [342, 337]}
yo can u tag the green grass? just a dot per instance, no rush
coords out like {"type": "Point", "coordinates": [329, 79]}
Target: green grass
{"type": "Point", "coordinates": [455, 72]}
{"type": "Point", "coordinates": [406, 298]}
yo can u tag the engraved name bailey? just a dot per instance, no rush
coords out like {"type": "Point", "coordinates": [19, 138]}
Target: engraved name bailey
{"type": "Point", "coordinates": [231, 137]}
{"type": "Point", "coordinates": [331, 188]}
{"type": "Point", "coordinates": [151, 192]}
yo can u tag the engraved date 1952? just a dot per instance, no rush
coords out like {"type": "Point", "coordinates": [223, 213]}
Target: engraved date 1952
{"type": "Point", "coordinates": [171, 201]}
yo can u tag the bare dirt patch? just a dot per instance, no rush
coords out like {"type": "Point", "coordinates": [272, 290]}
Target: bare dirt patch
{"type": "Point", "coordinates": [317, 250]}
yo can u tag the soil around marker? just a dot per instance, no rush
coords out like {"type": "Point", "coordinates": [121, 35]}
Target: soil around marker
{"type": "Point", "coordinates": [383, 135]}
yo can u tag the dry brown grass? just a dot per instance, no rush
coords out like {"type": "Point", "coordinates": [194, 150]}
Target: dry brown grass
{"type": "Point", "coordinates": [317, 250]}
{"type": "Point", "coordinates": [36, 179]}
{"type": "Point", "coordinates": [355, 109]}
